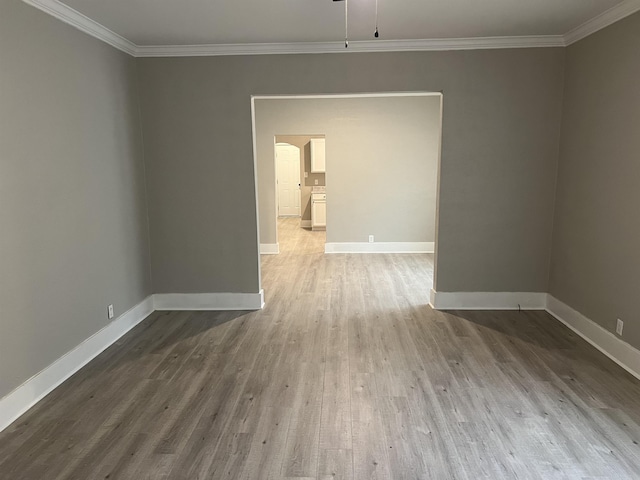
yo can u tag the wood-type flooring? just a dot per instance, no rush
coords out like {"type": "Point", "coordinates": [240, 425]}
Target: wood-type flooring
{"type": "Point", "coordinates": [347, 373]}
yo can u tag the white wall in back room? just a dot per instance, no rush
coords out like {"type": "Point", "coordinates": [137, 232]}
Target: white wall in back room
{"type": "Point", "coordinates": [382, 158]}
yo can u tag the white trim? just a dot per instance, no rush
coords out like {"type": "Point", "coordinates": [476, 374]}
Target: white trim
{"type": "Point", "coordinates": [305, 223]}
{"type": "Point", "coordinates": [625, 355]}
{"type": "Point", "coordinates": [83, 23]}
{"type": "Point", "coordinates": [432, 299]}
{"type": "Point", "coordinates": [269, 248]}
{"type": "Point", "coordinates": [606, 342]}
{"type": "Point", "coordinates": [322, 96]}
{"type": "Point", "coordinates": [429, 249]}
{"type": "Point", "coordinates": [208, 301]}
{"type": "Point", "coordinates": [488, 300]}
{"type": "Point", "coordinates": [379, 247]}
{"type": "Point", "coordinates": [254, 146]}
{"type": "Point", "coordinates": [609, 17]}
{"type": "Point", "coordinates": [37, 387]}
{"type": "Point", "coordinates": [420, 45]}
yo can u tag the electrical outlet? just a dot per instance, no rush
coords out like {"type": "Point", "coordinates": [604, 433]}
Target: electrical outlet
{"type": "Point", "coordinates": [619, 327]}
{"type": "Point", "coordinates": [370, 238]}
{"type": "Point", "coordinates": [306, 174]}
{"type": "Point", "coordinates": [316, 181]}
{"type": "Point", "coordinates": [110, 311]}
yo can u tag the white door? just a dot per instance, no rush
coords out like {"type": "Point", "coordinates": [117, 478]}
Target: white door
{"type": "Point", "coordinates": [288, 180]}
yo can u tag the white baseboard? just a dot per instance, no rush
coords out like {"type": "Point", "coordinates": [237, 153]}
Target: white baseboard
{"type": "Point", "coordinates": [269, 248]}
{"type": "Point", "coordinates": [305, 223]}
{"type": "Point", "coordinates": [37, 387]}
{"type": "Point", "coordinates": [208, 301]}
{"type": "Point", "coordinates": [379, 247]}
{"type": "Point", "coordinates": [613, 347]}
{"type": "Point", "coordinates": [488, 300]}
{"type": "Point", "coordinates": [432, 299]}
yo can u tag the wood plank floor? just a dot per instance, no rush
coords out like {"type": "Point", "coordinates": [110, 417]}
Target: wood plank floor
{"type": "Point", "coordinates": [346, 374]}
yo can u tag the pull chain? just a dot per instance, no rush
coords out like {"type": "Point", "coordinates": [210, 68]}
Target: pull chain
{"type": "Point", "coordinates": [376, 34]}
{"type": "Point", "coordinates": [346, 23]}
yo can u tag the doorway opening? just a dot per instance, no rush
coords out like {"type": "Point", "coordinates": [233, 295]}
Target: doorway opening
{"type": "Point", "coordinates": [382, 170]}
{"type": "Point", "coordinates": [300, 189]}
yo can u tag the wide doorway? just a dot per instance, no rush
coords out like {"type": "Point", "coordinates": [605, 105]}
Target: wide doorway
{"type": "Point", "coordinates": [378, 190]}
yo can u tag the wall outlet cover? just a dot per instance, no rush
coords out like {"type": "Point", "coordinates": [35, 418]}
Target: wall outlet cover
{"type": "Point", "coordinates": [370, 238]}
{"type": "Point", "coordinates": [110, 311]}
{"type": "Point", "coordinates": [619, 327]}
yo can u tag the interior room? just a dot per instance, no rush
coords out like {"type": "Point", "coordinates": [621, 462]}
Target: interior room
{"type": "Point", "coordinates": [467, 311]}
{"type": "Point", "coordinates": [381, 154]}
{"type": "Point", "coordinates": [311, 177]}
{"type": "Point", "coordinates": [300, 168]}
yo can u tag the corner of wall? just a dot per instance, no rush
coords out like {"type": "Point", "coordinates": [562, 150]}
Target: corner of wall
{"type": "Point", "coordinates": [558, 158]}
{"type": "Point", "coordinates": [145, 175]}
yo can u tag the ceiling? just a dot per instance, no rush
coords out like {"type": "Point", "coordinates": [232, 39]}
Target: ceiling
{"type": "Point", "coordinates": [199, 22]}
{"type": "Point", "coordinates": [174, 28]}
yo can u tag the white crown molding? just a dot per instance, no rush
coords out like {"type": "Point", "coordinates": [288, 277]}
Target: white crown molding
{"type": "Point", "coordinates": [83, 23]}
{"type": "Point", "coordinates": [354, 46]}
{"type": "Point", "coordinates": [614, 14]}
{"type": "Point", "coordinates": [76, 19]}
{"type": "Point", "coordinates": [37, 387]}
{"type": "Point", "coordinates": [208, 301]}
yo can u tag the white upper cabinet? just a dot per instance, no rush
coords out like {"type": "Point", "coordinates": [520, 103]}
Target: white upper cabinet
{"type": "Point", "coordinates": [317, 155]}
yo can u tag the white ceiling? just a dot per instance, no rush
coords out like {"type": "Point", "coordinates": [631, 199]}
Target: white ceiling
{"type": "Point", "coordinates": [196, 22]}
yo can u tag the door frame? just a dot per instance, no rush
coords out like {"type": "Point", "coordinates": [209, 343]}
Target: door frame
{"type": "Point", "coordinates": [339, 96]}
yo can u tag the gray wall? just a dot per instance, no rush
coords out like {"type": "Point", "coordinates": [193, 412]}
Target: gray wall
{"type": "Point", "coordinates": [382, 160]}
{"type": "Point", "coordinates": [303, 142]}
{"type": "Point", "coordinates": [72, 202]}
{"type": "Point", "coordinates": [595, 261]}
{"type": "Point", "coordinates": [72, 180]}
{"type": "Point", "coordinates": [499, 158]}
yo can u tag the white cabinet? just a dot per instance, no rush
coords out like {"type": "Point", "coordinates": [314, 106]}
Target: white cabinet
{"type": "Point", "coordinates": [318, 211]}
{"type": "Point", "coordinates": [317, 155]}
